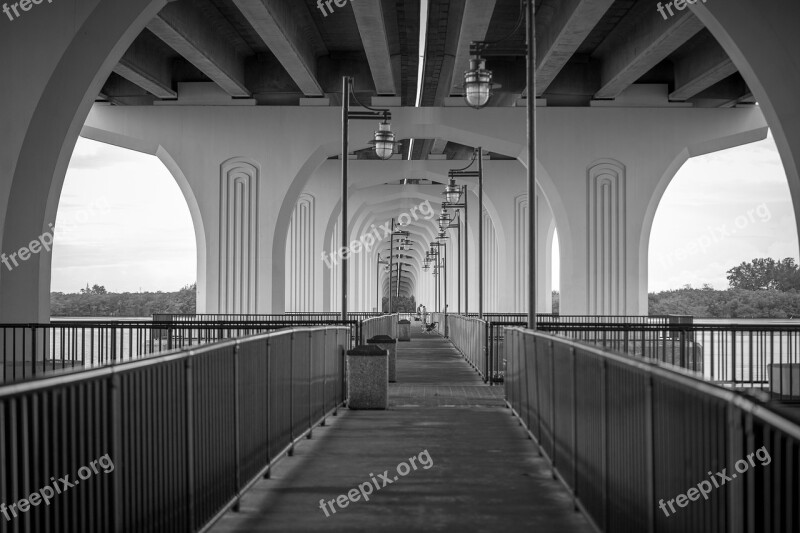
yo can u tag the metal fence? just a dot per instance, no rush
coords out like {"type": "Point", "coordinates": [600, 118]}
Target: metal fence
{"type": "Point", "coordinates": [380, 325]}
{"type": "Point", "coordinates": [763, 357]}
{"type": "Point", "coordinates": [468, 335]}
{"type": "Point", "coordinates": [549, 318]}
{"type": "Point", "coordinates": [276, 317]}
{"type": "Point", "coordinates": [625, 436]}
{"type": "Point", "coordinates": [187, 432]}
{"type": "Point", "coordinates": [32, 350]}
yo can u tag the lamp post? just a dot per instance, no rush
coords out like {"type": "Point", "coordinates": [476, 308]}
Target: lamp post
{"type": "Point", "coordinates": [440, 244]}
{"type": "Point", "coordinates": [456, 199]}
{"type": "Point", "coordinates": [378, 282]}
{"type": "Point", "coordinates": [477, 92]}
{"type": "Point", "coordinates": [466, 173]}
{"type": "Point", "coordinates": [453, 223]}
{"type": "Point", "coordinates": [395, 233]}
{"type": "Point", "coordinates": [384, 148]}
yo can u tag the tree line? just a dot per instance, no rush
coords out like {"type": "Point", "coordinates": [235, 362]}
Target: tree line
{"type": "Point", "coordinates": [96, 301]}
{"type": "Point", "coordinates": [760, 288]}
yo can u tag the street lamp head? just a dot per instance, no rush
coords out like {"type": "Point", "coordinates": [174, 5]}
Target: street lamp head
{"type": "Point", "coordinates": [452, 193]}
{"type": "Point", "coordinates": [384, 141]}
{"type": "Point", "coordinates": [444, 219]}
{"type": "Point", "coordinates": [477, 83]}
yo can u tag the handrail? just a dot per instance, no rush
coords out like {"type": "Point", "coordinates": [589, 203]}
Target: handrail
{"type": "Point", "coordinates": [187, 431]}
{"type": "Point", "coordinates": [379, 325]}
{"type": "Point", "coordinates": [31, 350]}
{"type": "Point", "coordinates": [622, 429]}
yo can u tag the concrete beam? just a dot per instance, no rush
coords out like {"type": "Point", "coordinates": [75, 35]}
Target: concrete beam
{"type": "Point", "coordinates": [371, 26]}
{"type": "Point", "coordinates": [641, 41]}
{"type": "Point", "coordinates": [707, 65]}
{"type": "Point", "coordinates": [475, 24]}
{"type": "Point", "coordinates": [144, 66]}
{"type": "Point", "coordinates": [284, 27]}
{"type": "Point", "coordinates": [438, 146]}
{"type": "Point", "coordinates": [560, 37]}
{"type": "Point", "coordinates": [746, 98]}
{"type": "Point", "coordinates": [187, 32]}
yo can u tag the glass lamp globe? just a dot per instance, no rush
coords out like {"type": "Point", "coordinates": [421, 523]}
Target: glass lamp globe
{"type": "Point", "coordinates": [477, 83]}
{"type": "Point", "coordinates": [452, 193]}
{"type": "Point", "coordinates": [384, 141]}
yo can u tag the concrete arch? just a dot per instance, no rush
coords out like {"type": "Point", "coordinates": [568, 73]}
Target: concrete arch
{"type": "Point", "coordinates": [495, 135]}
{"type": "Point", "coordinates": [143, 146]}
{"type": "Point", "coordinates": [52, 122]}
{"type": "Point", "coordinates": [761, 39]}
{"type": "Point", "coordinates": [699, 149]}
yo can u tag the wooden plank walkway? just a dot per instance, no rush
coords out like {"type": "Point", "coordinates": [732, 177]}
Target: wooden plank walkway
{"type": "Point", "coordinates": [483, 473]}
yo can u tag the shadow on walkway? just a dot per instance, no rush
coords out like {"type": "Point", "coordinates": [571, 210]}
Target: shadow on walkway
{"type": "Point", "coordinates": [485, 475]}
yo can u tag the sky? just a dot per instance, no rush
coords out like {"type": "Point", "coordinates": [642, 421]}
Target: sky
{"type": "Point", "coordinates": [123, 222]}
{"type": "Point", "coordinates": [720, 210]}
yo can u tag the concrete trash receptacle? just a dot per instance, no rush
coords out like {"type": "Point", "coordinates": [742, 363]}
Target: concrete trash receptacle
{"type": "Point", "coordinates": [404, 331]}
{"type": "Point", "coordinates": [385, 342]}
{"type": "Point", "coordinates": [367, 377]}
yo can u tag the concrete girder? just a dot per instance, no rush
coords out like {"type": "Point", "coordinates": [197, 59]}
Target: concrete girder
{"type": "Point", "coordinates": [287, 29]}
{"type": "Point", "coordinates": [707, 65]}
{"type": "Point", "coordinates": [187, 32]}
{"type": "Point", "coordinates": [438, 146]}
{"type": "Point", "coordinates": [641, 41]}
{"type": "Point", "coordinates": [746, 98]}
{"type": "Point", "coordinates": [475, 24]}
{"type": "Point", "coordinates": [145, 67]}
{"type": "Point", "coordinates": [563, 34]}
{"type": "Point", "coordinates": [371, 26]}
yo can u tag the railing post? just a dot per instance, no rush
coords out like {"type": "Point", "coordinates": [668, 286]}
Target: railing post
{"type": "Point", "coordinates": [650, 454]}
{"type": "Point", "coordinates": [236, 427]}
{"type": "Point", "coordinates": [574, 427]}
{"type": "Point", "coordinates": [190, 480]}
{"type": "Point", "coordinates": [311, 380]}
{"type": "Point", "coordinates": [268, 407]}
{"type": "Point", "coordinates": [115, 424]}
{"type": "Point", "coordinates": [291, 394]}
{"type": "Point", "coordinates": [552, 354]}
{"type": "Point", "coordinates": [604, 440]}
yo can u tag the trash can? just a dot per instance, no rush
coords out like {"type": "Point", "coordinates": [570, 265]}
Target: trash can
{"type": "Point", "coordinates": [385, 342]}
{"type": "Point", "coordinates": [367, 377]}
{"type": "Point", "coordinates": [404, 331]}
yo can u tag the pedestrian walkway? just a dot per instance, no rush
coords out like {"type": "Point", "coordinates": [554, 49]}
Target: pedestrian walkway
{"type": "Point", "coordinates": [485, 474]}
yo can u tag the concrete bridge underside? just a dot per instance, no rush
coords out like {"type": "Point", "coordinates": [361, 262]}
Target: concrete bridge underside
{"type": "Point", "coordinates": [265, 178]}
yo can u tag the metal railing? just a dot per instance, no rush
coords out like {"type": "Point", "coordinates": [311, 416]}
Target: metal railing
{"type": "Point", "coordinates": [32, 350]}
{"type": "Point", "coordinates": [765, 357]}
{"type": "Point", "coordinates": [276, 317]}
{"type": "Point", "coordinates": [187, 432]}
{"type": "Point", "coordinates": [468, 335]}
{"type": "Point", "coordinates": [624, 434]}
{"type": "Point", "coordinates": [379, 325]}
{"type": "Point", "coordinates": [549, 318]}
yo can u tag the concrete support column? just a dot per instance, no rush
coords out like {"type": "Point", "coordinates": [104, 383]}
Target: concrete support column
{"type": "Point", "coordinates": [608, 183]}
